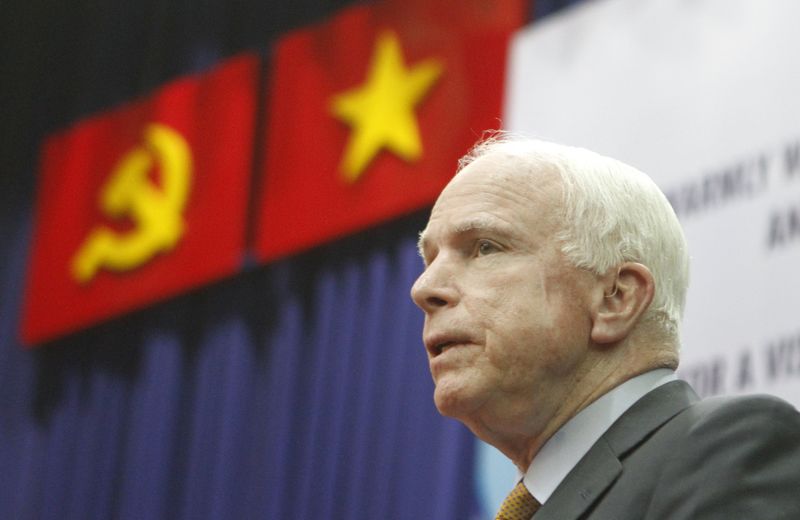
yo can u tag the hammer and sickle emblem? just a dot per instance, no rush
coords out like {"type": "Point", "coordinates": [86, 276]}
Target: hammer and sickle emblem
{"type": "Point", "coordinates": [156, 211]}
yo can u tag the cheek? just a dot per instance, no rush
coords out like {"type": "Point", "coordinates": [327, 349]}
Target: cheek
{"type": "Point", "coordinates": [520, 306]}
{"type": "Point", "coordinates": [532, 331]}
{"type": "Point", "coordinates": [513, 323]}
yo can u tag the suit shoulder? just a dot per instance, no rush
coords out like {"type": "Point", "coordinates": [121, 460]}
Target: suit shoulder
{"type": "Point", "coordinates": [731, 457]}
{"type": "Point", "coordinates": [758, 412]}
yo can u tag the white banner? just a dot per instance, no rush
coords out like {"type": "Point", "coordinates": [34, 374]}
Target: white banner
{"type": "Point", "coordinates": [704, 96]}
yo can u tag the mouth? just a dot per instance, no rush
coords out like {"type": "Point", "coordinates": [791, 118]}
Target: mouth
{"type": "Point", "coordinates": [442, 347]}
{"type": "Point", "coordinates": [437, 346]}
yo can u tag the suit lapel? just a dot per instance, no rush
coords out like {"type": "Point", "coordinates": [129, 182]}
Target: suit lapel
{"type": "Point", "coordinates": [647, 414]}
{"type": "Point", "coordinates": [597, 470]}
{"type": "Point", "coordinates": [601, 465]}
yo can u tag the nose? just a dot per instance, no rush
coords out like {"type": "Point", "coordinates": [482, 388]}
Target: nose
{"type": "Point", "coordinates": [435, 288]}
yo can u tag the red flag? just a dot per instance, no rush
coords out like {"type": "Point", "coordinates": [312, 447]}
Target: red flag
{"type": "Point", "coordinates": [370, 111]}
{"type": "Point", "coordinates": [142, 202]}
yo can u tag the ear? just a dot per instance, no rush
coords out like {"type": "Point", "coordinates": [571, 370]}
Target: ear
{"type": "Point", "coordinates": [626, 294]}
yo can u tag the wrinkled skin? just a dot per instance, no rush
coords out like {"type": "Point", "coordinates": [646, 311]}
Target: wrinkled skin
{"type": "Point", "coordinates": [514, 315]}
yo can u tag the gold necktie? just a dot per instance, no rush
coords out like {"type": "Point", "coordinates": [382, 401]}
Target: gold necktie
{"type": "Point", "coordinates": [518, 505]}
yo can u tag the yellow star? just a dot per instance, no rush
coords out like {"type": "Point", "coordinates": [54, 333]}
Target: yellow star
{"type": "Point", "coordinates": [381, 111]}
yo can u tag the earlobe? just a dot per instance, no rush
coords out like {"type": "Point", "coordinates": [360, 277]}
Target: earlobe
{"type": "Point", "coordinates": [626, 295]}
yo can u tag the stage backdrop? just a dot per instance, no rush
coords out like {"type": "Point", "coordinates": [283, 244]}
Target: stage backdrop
{"type": "Point", "coordinates": [703, 97]}
{"type": "Point", "coordinates": [295, 389]}
{"type": "Point", "coordinates": [299, 389]}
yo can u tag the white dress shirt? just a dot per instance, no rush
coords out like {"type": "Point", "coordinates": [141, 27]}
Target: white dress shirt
{"type": "Point", "coordinates": [571, 442]}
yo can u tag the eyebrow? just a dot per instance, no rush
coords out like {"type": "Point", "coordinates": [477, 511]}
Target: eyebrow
{"type": "Point", "coordinates": [478, 224]}
{"type": "Point", "coordinates": [468, 226]}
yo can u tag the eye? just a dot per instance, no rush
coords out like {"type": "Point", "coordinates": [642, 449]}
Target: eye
{"type": "Point", "coordinates": [486, 247]}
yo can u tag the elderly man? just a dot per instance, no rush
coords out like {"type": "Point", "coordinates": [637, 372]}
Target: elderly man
{"type": "Point", "coordinates": [553, 288]}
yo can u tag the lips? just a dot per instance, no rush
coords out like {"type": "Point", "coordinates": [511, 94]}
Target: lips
{"type": "Point", "coordinates": [438, 344]}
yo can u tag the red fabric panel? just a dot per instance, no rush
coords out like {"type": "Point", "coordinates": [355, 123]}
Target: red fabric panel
{"type": "Point", "coordinates": [213, 115]}
{"type": "Point", "coordinates": [305, 199]}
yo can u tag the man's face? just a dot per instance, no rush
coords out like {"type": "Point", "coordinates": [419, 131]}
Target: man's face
{"type": "Point", "coordinates": [506, 316]}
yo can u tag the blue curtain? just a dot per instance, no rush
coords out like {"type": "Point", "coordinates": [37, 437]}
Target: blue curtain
{"type": "Point", "coordinates": [298, 390]}
{"type": "Point", "coordinates": [295, 390]}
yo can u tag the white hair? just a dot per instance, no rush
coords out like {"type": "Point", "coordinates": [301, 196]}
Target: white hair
{"type": "Point", "coordinates": [613, 213]}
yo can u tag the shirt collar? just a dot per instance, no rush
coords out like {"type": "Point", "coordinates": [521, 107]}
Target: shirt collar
{"type": "Point", "coordinates": [571, 442]}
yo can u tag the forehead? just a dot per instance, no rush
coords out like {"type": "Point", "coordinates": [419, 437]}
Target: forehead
{"type": "Point", "coordinates": [497, 191]}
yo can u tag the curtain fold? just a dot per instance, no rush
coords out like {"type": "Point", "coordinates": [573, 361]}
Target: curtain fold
{"type": "Point", "coordinates": [299, 390]}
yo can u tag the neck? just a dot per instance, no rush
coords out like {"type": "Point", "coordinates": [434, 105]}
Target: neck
{"type": "Point", "coordinates": [519, 430]}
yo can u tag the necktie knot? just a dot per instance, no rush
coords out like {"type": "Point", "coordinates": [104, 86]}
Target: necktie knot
{"type": "Point", "coordinates": [518, 505]}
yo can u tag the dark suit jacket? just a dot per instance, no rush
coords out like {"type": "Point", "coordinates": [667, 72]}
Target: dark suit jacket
{"type": "Point", "coordinates": [672, 456]}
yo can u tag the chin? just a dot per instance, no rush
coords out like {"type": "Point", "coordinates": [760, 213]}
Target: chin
{"type": "Point", "coordinates": [454, 402]}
